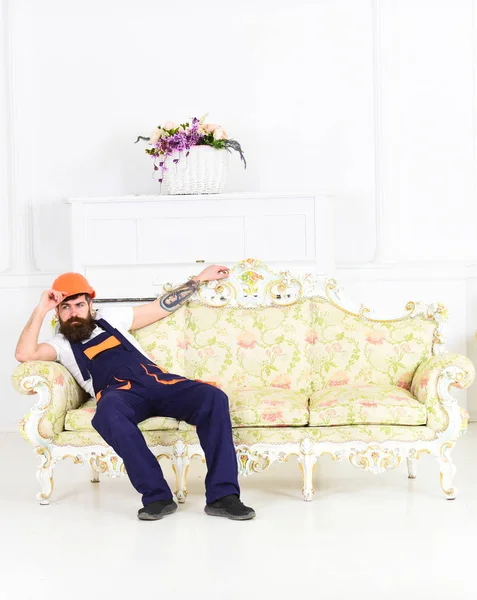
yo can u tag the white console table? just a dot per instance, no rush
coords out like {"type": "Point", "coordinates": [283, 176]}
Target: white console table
{"type": "Point", "coordinates": [128, 244]}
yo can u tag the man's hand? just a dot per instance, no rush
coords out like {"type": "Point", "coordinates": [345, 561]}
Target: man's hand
{"type": "Point", "coordinates": [213, 272]}
{"type": "Point", "coordinates": [145, 314]}
{"type": "Point", "coordinates": [50, 299]}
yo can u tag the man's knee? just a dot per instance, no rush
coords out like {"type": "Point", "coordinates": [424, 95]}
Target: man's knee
{"type": "Point", "coordinates": [101, 419]}
{"type": "Point", "coordinates": [108, 415]}
{"type": "Point", "coordinates": [221, 396]}
{"type": "Point", "coordinates": [219, 399]}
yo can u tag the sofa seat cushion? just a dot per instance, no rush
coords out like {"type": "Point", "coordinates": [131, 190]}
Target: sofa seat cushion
{"type": "Point", "coordinates": [80, 420]}
{"type": "Point", "coordinates": [267, 407]}
{"type": "Point", "coordinates": [270, 435]}
{"type": "Point", "coordinates": [366, 404]}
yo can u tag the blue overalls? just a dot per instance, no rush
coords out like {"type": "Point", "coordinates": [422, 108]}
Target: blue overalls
{"type": "Point", "coordinates": [130, 389]}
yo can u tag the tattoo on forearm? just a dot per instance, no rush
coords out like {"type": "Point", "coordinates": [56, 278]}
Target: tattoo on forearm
{"type": "Point", "coordinates": [176, 297]}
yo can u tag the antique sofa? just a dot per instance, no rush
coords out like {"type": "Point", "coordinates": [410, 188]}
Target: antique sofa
{"type": "Point", "coordinates": [306, 375]}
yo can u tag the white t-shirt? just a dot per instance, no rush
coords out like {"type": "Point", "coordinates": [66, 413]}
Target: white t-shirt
{"type": "Point", "coordinates": [120, 317]}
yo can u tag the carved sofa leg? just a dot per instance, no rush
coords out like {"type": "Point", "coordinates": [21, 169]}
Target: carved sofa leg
{"type": "Point", "coordinates": [44, 475]}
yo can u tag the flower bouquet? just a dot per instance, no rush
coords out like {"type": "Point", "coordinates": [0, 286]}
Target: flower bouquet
{"type": "Point", "coordinates": [192, 158]}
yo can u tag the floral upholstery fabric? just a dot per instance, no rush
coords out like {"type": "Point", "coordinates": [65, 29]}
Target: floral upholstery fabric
{"type": "Point", "coordinates": [64, 393]}
{"type": "Point", "coordinates": [424, 385]}
{"type": "Point", "coordinates": [270, 435]}
{"type": "Point", "coordinates": [80, 419]}
{"type": "Point", "coordinates": [271, 361]}
{"type": "Point", "coordinates": [267, 407]}
{"type": "Point", "coordinates": [366, 404]}
{"type": "Point", "coordinates": [348, 349]}
{"type": "Point", "coordinates": [240, 348]}
{"type": "Point", "coordinates": [339, 434]}
{"type": "Point", "coordinates": [165, 342]}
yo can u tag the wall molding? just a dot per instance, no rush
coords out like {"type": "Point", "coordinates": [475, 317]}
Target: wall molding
{"type": "Point", "coordinates": [5, 137]}
{"type": "Point", "coordinates": [409, 271]}
{"type": "Point", "coordinates": [12, 281]}
{"type": "Point", "coordinates": [474, 90]}
{"type": "Point", "coordinates": [379, 195]}
{"type": "Point", "coordinates": [17, 179]}
{"type": "Point", "coordinates": [400, 271]}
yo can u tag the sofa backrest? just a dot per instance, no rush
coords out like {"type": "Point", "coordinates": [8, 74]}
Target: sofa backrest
{"type": "Point", "coordinates": [165, 341]}
{"type": "Point", "coordinates": [239, 347]}
{"type": "Point", "coordinates": [259, 328]}
{"type": "Point", "coordinates": [352, 349]}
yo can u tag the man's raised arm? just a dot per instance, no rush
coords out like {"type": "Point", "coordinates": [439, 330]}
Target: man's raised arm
{"type": "Point", "coordinates": [28, 347]}
{"type": "Point", "coordinates": [145, 314]}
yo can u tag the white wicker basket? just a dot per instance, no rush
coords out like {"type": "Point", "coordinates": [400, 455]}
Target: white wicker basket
{"type": "Point", "coordinates": [204, 171]}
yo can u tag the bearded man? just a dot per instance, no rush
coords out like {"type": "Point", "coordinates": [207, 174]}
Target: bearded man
{"type": "Point", "coordinates": [107, 362]}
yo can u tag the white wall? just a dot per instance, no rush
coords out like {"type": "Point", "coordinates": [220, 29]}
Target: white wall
{"type": "Point", "coordinates": [372, 101]}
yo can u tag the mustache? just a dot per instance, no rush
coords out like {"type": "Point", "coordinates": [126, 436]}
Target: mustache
{"type": "Point", "coordinates": [76, 329]}
{"type": "Point", "coordinates": [76, 320]}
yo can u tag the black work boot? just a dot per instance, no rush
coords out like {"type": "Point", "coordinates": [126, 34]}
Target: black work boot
{"type": "Point", "coordinates": [230, 507]}
{"type": "Point", "coordinates": [157, 510]}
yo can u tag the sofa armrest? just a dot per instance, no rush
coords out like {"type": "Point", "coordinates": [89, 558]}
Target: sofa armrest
{"type": "Point", "coordinates": [431, 383]}
{"type": "Point", "coordinates": [58, 392]}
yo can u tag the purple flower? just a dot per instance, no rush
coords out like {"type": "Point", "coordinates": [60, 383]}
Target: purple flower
{"type": "Point", "coordinates": [182, 141]}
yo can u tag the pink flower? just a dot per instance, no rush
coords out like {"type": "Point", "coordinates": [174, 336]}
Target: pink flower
{"type": "Point", "coordinates": [272, 417]}
{"type": "Point", "coordinates": [375, 337]}
{"type": "Point", "coordinates": [336, 346]}
{"type": "Point", "coordinates": [405, 381]}
{"type": "Point", "coordinates": [368, 403]}
{"type": "Point", "coordinates": [185, 343]}
{"type": "Point", "coordinates": [275, 351]}
{"type": "Point", "coordinates": [339, 378]}
{"type": "Point", "coordinates": [220, 133]}
{"type": "Point", "coordinates": [272, 402]}
{"type": "Point", "coordinates": [60, 380]}
{"type": "Point", "coordinates": [424, 380]}
{"type": "Point", "coordinates": [247, 340]}
{"type": "Point", "coordinates": [155, 136]}
{"type": "Point", "coordinates": [405, 347]}
{"type": "Point", "coordinates": [394, 397]}
{"type": "Point", "coordinates": [311, 336]}
{"type": "Point", "coordinates": [170, 125]}
{"type": "Point", "coordinates": [282, 381]}
{"type": "Point", "coordinates": [327, 403]}
{"type": "Point", "coordinates": [206, 352]}
{"type": "Point", "coordinates": [210, 127]}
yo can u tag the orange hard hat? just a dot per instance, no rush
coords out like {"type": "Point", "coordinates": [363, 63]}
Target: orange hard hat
{"type": "Point", "coordinates": [72, 284]}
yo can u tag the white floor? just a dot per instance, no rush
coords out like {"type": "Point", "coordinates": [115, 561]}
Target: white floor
{"type": "Point", "coordinates": [362, 537]}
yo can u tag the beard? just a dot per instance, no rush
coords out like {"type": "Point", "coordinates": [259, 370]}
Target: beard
{"type": "Point", "coordinates": [76, 329]}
